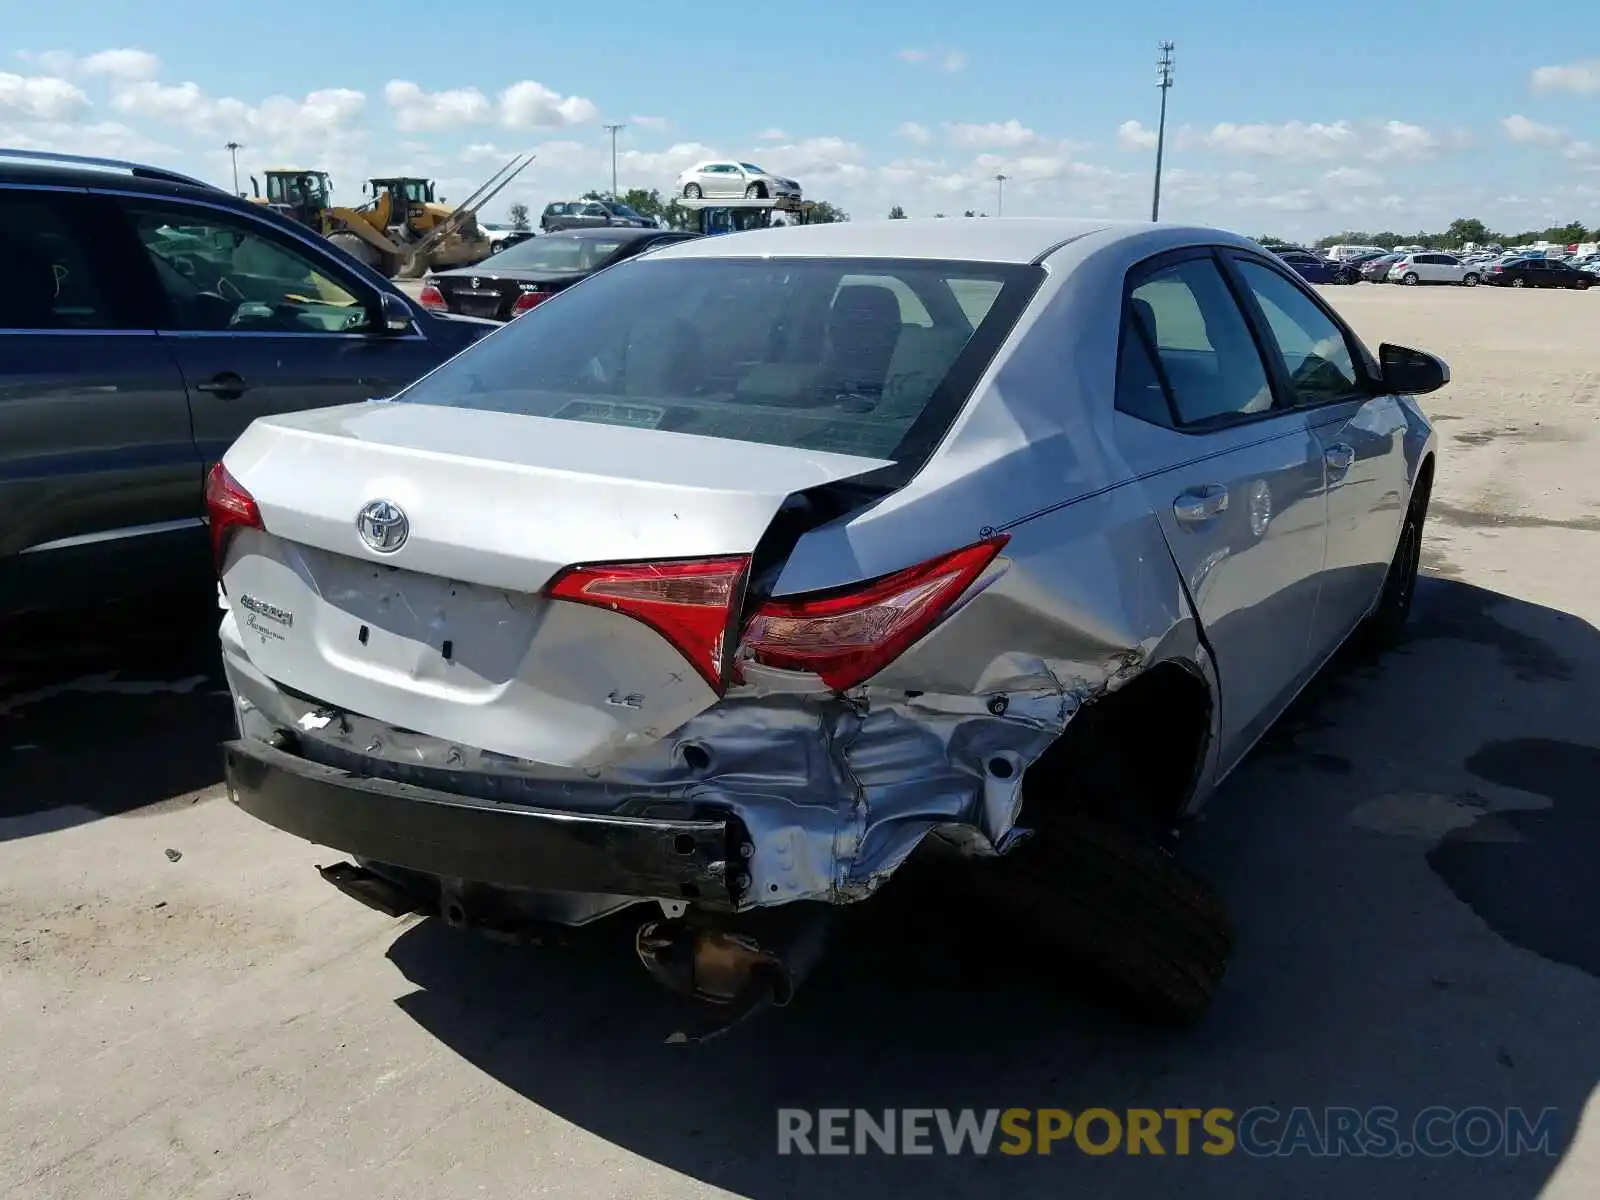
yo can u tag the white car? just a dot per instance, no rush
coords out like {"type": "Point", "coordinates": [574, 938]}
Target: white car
{"type": "Point", "coordinates": [726, 177]}
{"type": "Point", "coordinates": [1435, 267]}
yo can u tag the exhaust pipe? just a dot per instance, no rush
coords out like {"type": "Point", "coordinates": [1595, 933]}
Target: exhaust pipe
{"type": "Point", "coordinates": [374, 891]}
{"type": "Point", "coordinates": [739, 965]}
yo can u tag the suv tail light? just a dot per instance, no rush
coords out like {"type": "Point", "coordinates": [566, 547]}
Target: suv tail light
{"type": "Point", "coordinates": [228, 507]}
{"type": "Point", "coordinates": [690, 602]}
{"type": "Point", "coordinates": [528, 300]}
{"type": "Point", "coordinates": [431, 296]}
{"type": "Point", "coordinates": [847, 635]}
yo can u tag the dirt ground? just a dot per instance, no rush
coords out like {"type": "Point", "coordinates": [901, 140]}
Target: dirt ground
{"type": "Point", "coordinates": [187, 1010]}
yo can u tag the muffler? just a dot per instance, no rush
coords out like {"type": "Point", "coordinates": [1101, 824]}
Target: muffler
{"type": "Point", "coordinates": [739, 964]}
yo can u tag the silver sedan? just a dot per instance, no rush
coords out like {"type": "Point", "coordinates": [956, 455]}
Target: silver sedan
{"type": "Point", "coordinates": [728, 179]}
{"type": "Point", "coordinates": [727, 580]}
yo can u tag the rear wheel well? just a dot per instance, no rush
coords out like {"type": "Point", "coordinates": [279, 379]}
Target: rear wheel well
{"type": "Point", "coordinates": [1424, 484]}
{"type": "Point", "coordinates": [1131, 757]}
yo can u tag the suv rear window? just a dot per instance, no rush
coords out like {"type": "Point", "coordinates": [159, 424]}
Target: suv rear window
{"type": "Point", "coordinates": [857, 356]}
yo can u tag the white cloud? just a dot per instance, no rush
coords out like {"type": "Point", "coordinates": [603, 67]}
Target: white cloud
{"type": "Point", "coordinates": [1291, 140]}
{"type": "Point", "coordinates": [416, 110]}
{"type": "Point", "coordinates": [994, 135]}
{"type": "Point", "coordinates": [772, 135]}
{"type": "Point", "coordinates": [124, 63]}
{"type": "Point", "coordinates": [1397, 139]}
{"type": "Point", "coordinates": [945, 60]}
{"type": "Point", "coordinates": [529, 105]}
{"type": "Point", "coordinates": [1352, 178]}
{"type": "Point", "coordinates": [1581, 151]}
{"type": "Point", "coordinates": [1583, 78]}
{"type": "Point", "coordinates": [1520, 129]}
{"type": "Point", "coordinates": [1132, 135]}
{"type": "Point", "coordinates": [103, 139]}
{"type": "Point", "coordinates": [818, 158]}
{"type": "Point", "coordinates": [655, 123]}
{"type": "Point", "coordinates": [914, 132]}
{"type": "Point", "coordinates": [659, 166]}
{"type": "Point", "coordinates": [40, 97]}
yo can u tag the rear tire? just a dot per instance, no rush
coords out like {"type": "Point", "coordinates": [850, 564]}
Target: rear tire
{"type": "Point", "coordinates": [1581, 285]}
{"type": "Point", "coordinates": [1157, 937]}
{"type": "Point", "coordinates": [1409, 279]}
{"type": "Point", "coordinates": [755, 191]}
{"type": "Point", "coordinates": [1519, 282]}
{"type": "Point", "coordinates": [1469, 281]}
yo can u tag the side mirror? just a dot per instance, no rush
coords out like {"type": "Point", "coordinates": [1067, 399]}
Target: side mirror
{"type": "Point", "coordinates": [1408, 372]}
{"type": "Point", "coordinates": [396, 313]}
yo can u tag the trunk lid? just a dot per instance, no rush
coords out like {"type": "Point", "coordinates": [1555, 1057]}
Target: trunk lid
{"type": "Point", "coordinates": [448, 634]}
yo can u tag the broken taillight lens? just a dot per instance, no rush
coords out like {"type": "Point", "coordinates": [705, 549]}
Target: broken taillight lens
{"type": "Point", "coordinates": [228, 507]}
{"type": "Point", "coordinates": [848, 635]}
{"type": "Point", "coordinates": [687, 601]}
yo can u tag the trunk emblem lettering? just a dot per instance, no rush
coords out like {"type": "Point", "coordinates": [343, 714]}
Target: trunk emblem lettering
{"type": "Point", "coordinates": [271, 611]}
{"type": "Point", "coordinates": [383, 526]}
{"type": "Point", "coordinates": [631, 700]}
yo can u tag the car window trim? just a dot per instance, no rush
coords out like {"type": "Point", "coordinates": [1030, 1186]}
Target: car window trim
{"type": "Point", "coordinates": [1230, 257]}
{"type": "Point", "coordinates": [1169, 258]}
{"type": "Point", "coordinates": [340, 271]}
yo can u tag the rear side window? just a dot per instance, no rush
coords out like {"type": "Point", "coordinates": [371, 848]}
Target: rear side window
{"type": "Point", "coordinates": [867, 357]}
{"type": "Point", "coordinates": [51, 279]}
{"type": "Point", "coordinates": [1206, 351]}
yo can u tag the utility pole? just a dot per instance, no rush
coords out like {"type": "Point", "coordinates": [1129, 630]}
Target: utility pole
{"type": "Point", "coordinates": [1000, 195]}
{"type": "Point", "coordinates": [1164, 82]}
{"type": "Point", "coordinates": [233, 149]}
{"type": "Point", "coordinates": [612, 130]}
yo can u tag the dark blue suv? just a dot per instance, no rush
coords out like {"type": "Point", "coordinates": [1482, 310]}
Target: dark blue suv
{"type": "Point", "coordinates": [145, 320]}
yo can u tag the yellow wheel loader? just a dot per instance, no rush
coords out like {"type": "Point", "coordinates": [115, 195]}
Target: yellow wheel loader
{"type": "Point", "coordinates": [404, 231]}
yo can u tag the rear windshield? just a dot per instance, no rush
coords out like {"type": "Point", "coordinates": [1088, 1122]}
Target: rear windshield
{"type": "Point", "coordinates": [558, 254]}
{"type": "Point", "coordinates": [857, 356]}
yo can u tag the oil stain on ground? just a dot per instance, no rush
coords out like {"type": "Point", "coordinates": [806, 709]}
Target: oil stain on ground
{"type": "Point", "coordinates": [1532, 878]}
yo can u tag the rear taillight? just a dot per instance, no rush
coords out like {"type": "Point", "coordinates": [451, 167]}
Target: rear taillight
{"type": "Point", "coordinates": [848, 635]}
{"type": "Point", "coordinates": [690, 602]}
{"type": "Point", "coordinates": [228, 507]}
{"type": "Point", "coordinates": [528, 300]}
{"type": "Point", "coordinates": [431, 296]}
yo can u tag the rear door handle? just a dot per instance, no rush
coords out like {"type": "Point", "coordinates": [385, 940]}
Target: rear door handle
{"type": "Point", "coordinates": [1339, 457]}
{"type": "Point", "coordinates": [224, 386]}
{"type": "Point", "coordinates": [1201, 504]}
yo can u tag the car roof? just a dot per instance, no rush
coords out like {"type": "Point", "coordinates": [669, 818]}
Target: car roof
{"type": "Point", "coordinates": [610, 232]}
{"type": "Point", "coordinates": [1006, 240]}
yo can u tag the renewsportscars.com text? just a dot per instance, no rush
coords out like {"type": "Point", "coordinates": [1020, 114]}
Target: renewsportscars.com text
{"type": "Point", "coordinates": [1259, 1132]}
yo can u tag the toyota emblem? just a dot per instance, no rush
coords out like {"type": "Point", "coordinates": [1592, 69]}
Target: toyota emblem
{"type": "Point", "coordinates": [383, 526]}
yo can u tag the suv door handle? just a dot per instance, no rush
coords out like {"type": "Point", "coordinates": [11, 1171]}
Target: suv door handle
{"type": "Point", "coordinates": [1339, 457]}
{"type": "Point", "coordinates": [1201, 504]}
{"type": "Point", "coordinates": [224, 386]}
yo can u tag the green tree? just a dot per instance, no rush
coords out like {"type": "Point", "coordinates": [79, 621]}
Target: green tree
{"type": "Point", "coordinates": [519, 215]}
{"type": "Point", "coordinates": [1468, 229]}
{"type": "Point", "coordinates": [647, 203]}
{"type": "Point", "coordinates": [823, 213]}
{"type": "Point", "coordinates": [897, 213]}
{"type": "Point", "coordinates": [939, 215]}
{"type": "Point", "coordinates": [1572, 231]}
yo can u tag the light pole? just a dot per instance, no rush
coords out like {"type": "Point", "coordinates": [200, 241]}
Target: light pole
{"type": "Point", "coordinates": [1000, 194]}
{"type": "Point", "coordinates": [612, 130]}
{"type": "Point", "coordinates": [233, 149]}
{"type": "Point", "coordinates": [1164, 82]}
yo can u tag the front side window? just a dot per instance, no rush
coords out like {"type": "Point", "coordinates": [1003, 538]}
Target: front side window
{"type": "Point", "coordinates": [1206, 352]}
{"type": "Point", "coordinates": [1315, 354]}
{"type": "Point", "coordinates": [811, 353]}
{"type": "Point", "coordinates": [50, 278]}
{"type": "Point", "coordinates": [222, 273]}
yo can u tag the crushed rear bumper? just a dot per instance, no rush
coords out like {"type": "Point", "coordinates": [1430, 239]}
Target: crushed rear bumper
{"type": "Point", "coordinates": [459, 837]}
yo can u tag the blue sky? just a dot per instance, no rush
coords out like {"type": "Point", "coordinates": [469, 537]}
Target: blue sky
{"type": "Point", "coordinates": [1385, 115]}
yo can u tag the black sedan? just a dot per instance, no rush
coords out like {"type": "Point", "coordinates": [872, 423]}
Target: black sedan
{"type": "Point", "coordinates": [1537, 272]}
{"type": "Point", "coordinates": [523, 276]}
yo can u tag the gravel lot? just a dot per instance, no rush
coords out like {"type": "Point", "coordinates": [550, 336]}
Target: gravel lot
{"type": "Point", "coordinates": [187, 1010]}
